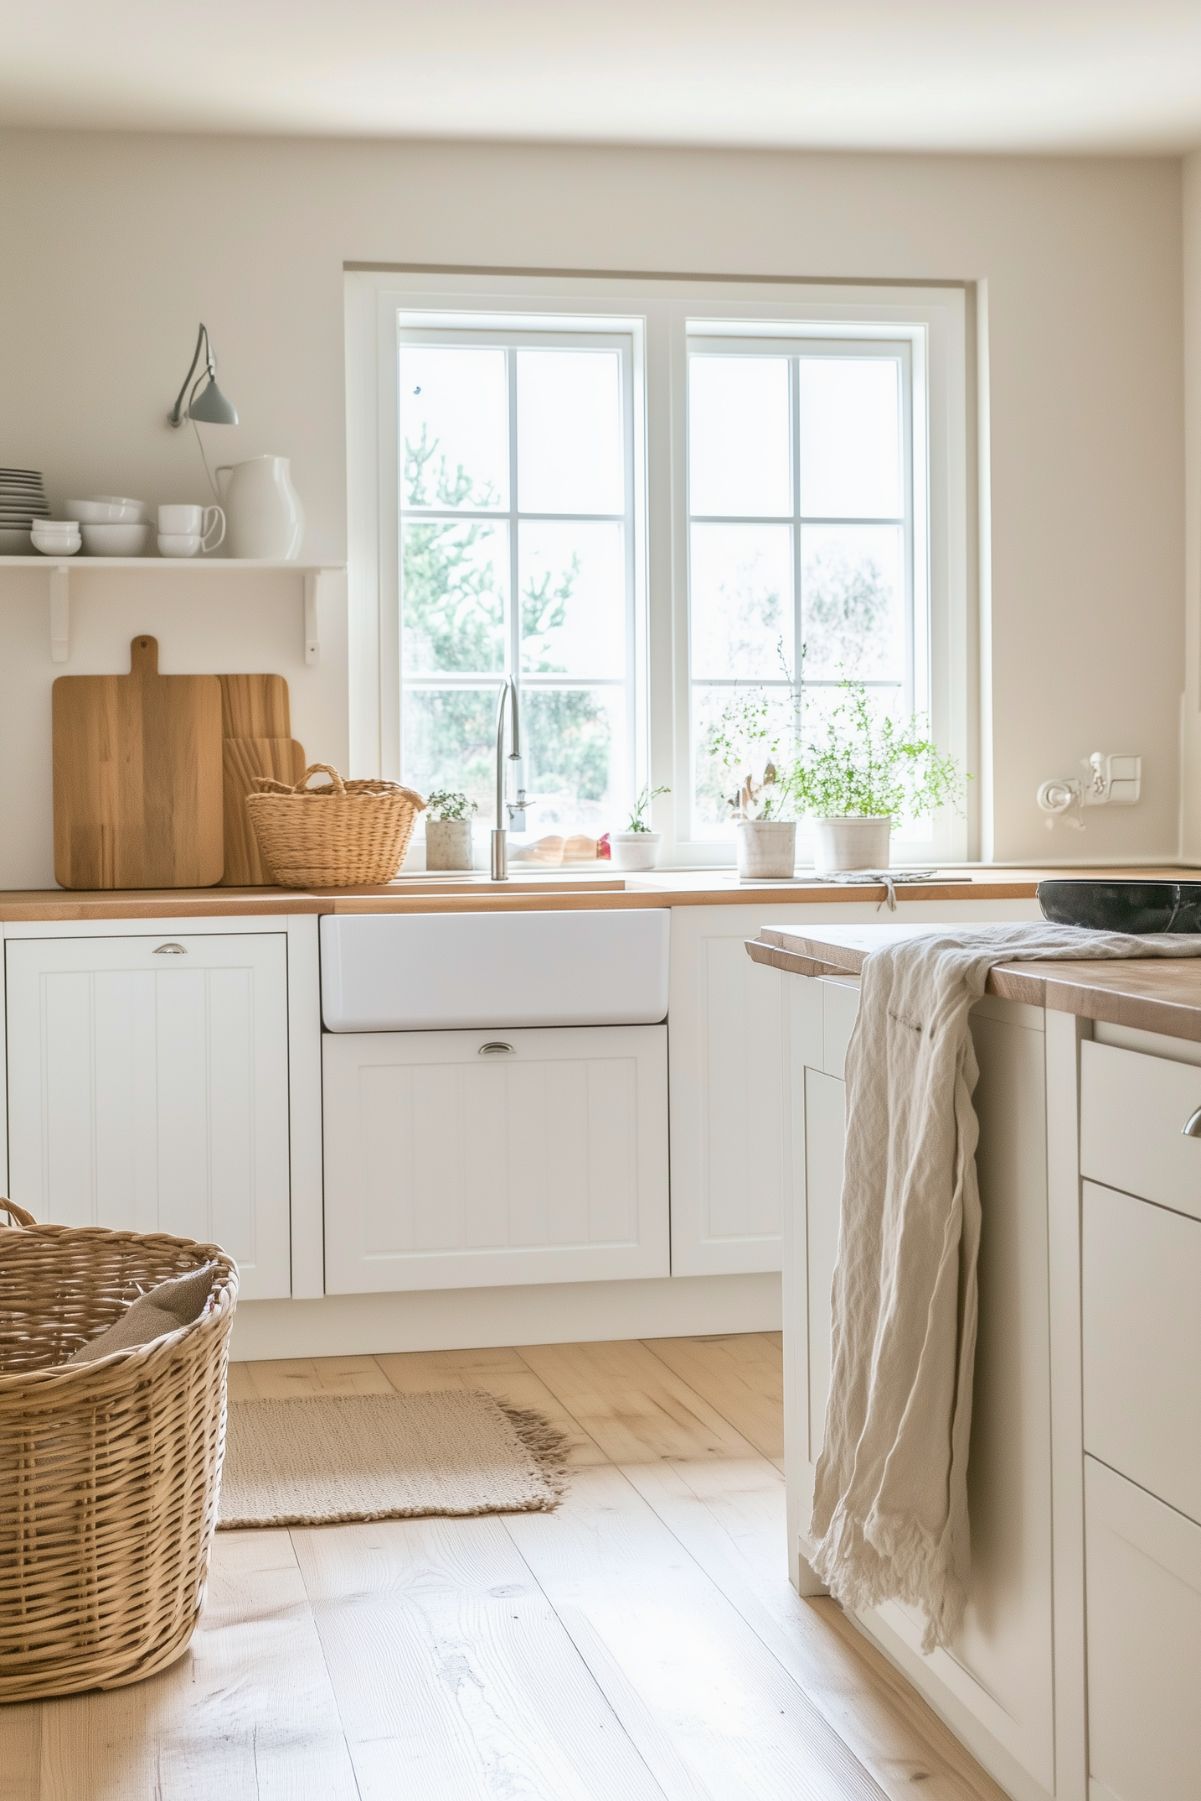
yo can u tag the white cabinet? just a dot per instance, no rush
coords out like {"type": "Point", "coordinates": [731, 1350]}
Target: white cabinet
{"type": "Point", "coordinates": [727, 1092]}
{"type": "Point", "coordinates": [466, 1159]}
{"type": "Point", "coordinates": [1144, 1643]}
{"type": "Point", "coordinates": [999, 1681]}
{"type": "Point", "coordinates": [148, 1089]}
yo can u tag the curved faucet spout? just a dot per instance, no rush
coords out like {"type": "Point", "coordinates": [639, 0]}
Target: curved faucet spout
{"type": "Point", "coordinates": [510, 815]}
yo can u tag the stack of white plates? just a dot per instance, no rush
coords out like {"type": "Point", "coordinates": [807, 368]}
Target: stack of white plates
{"type": "Point", "coordinates": [22, 500]}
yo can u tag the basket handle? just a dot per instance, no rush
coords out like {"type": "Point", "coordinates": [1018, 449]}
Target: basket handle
{"type": "Point", "coordinates": [19, 1216]}
{"type": "Point", "coordinates": [265, 784]}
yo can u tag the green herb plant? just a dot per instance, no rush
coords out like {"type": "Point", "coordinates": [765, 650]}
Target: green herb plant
{"type": "Point", "coordinates": [638, 815]}
{"type": "Point", "coordinates": [449, 803]}
{"type": "Point", "coordinates": [870, 766]}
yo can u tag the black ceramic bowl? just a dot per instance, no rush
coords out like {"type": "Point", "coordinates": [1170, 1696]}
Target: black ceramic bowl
{"type": "Point", "coordinates": [1138, 907]}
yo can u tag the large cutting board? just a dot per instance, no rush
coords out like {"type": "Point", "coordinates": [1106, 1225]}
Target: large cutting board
{"type": "Point", "coordinates": [137, 777]}
{"type": "Point", "coordinates": [255, 706]}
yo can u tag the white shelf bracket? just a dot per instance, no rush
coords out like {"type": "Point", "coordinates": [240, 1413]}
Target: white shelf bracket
{"type": "Point", "coordinates": [60, 613]}
{"type": "Point", "coordinates": [313, 582]}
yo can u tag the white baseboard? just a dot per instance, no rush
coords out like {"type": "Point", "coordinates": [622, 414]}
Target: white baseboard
{"type": "Point", "coordinates": [469, 1319]}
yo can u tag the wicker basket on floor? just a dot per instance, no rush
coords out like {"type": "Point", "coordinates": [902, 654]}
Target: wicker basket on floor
{"type": "Point", "coordinates": [109, 1470]}
{"type": "Point", "coordinates": [332, 837]}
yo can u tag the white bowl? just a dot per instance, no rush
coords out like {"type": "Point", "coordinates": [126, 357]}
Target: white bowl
{"type": "Point", "coordinates": [56, 544]}
{"type": "Point", "coordinates": [179, 544]}
{"type": "Point", "coordinates": [109, 540]}
{"type": "Point", "coordinates": [107, 509]}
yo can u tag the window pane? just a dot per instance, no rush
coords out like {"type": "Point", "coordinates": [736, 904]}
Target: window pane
{"type": "Point", "coordinates": [719, 714]}
{"type": "Point", "coordinates": [450, 742]}
{"type": "Point", "coordinates": [740, 586]}
{"type": "Point", "coordinates": [455, 576]}
{"type": "Point", "coordinates": [575, 759]}
{"type": "Point", "coordinates": [850, 437]}
{"type": "Point", "coordinates": [738, 456]}
{"type": "Point", "coordinates": [853, 602]}
{"type": "Point", "coordinates": [569, 438]}
{"type": "Point", "coordinates": [454, 429]}
{"type": "Point", "coordinates": [573, 598]}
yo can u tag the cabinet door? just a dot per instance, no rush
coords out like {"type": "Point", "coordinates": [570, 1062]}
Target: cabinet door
{"type": "Point", "coordinates": [148, 1090]}
{"type": "Point", "coordinates": [1000, 1676]}
{"type": "Point", "coordinates": [467, 1159]}
{"type": "Point", "coordinates": [1144, 1643]}
{"type": "Point", "coordinates": [727, 1095]}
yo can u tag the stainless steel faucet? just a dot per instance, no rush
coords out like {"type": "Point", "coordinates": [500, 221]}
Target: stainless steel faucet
{"type": "Point", "coordinates": [510, 815]}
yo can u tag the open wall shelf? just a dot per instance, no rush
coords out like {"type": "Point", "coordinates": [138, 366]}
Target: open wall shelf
{"type": "Point", "coordinates": [63, 572]}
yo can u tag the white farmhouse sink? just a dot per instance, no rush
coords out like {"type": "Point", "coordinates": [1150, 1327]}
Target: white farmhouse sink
{"type": "Point", "coordinates": [438, 971]}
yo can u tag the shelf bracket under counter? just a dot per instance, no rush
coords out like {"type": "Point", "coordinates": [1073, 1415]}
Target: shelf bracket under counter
{"type": "Point", "coordinates": [62, 573]}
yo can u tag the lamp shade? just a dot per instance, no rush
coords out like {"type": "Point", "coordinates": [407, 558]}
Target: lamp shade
{"type": "Point", "coordinates": [211, 407]}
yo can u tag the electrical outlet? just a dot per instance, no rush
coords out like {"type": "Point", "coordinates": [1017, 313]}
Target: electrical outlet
{"type": "Point", "coordinates": [1114, 780]}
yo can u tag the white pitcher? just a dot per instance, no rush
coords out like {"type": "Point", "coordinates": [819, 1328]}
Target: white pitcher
{"type": "Point", "coordinates": [264, 517]}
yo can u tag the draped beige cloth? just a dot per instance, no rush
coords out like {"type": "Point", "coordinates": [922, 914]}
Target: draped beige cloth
{"type": "Point", "coordinates": [890, 1518]}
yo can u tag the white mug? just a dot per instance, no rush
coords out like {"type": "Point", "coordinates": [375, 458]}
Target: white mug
{"type": "Point", "coordinates": [208, 523]}
{"type": "Point", "coordinates": [178, 544]}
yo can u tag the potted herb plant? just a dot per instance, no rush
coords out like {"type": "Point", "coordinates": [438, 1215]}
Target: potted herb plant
{"type": "Point", "coordinates": [637, 847]}
{"type": "Point", "coordinates": [448, 830]}
{"type": "Point", "coordinates": [868, 771]}
{"type": "Point", "coordinates": [749, 744]}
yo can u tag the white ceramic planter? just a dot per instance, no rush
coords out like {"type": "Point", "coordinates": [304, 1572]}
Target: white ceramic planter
{"type": "Point", "coordinates": [634, 850]}
{"type": "Point", "coordinates": [841, 844]}
{"type": "Point", "coordinates": [766, 848]}
{"type": "Point", "coordinates": [448, 844]}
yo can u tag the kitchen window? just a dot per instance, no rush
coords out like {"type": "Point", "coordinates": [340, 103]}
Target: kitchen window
{"type": "Point", "coordinates": [641, 499]}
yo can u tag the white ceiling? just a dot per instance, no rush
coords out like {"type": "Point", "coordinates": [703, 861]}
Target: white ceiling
{"type": "Point", "coordinates": [986, 75]}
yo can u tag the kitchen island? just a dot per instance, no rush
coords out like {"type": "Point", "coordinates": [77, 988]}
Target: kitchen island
{"type": "Point", "coordinates": [1072, 1676]}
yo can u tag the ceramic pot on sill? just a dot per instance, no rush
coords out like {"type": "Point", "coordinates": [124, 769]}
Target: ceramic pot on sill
{"type": "Point", "coordinates": [634, 850]}
{"type": "Point", "coordinates": [850, 843]}
{"type": "Point", "coordinates": [448, 844]}
{"type": "Point", "coordinates": [766, 849]}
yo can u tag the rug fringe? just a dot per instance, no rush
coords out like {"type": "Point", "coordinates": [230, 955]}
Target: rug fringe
{"type": "Point", "coordinates": [549, 1447]}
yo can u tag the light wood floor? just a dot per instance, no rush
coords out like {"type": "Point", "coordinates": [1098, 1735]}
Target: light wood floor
{"type": "Point", "coordinates": [640, 1643]}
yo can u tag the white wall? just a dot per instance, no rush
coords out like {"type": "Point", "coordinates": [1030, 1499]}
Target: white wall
{"type": "Point", "coordinates": [1190, 794]}
{"type": "Point", "coordinates": [114, 246]}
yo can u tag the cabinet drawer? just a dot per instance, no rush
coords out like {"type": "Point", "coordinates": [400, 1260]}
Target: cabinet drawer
{"type": "Point", "coordinates": [1142, 1344]}
{"type": "Point", "coordinates": [1144, 1642]}
{"type": "Point", "coordinates": [469, 1159]}
{"type": "Point", "coordinates": [1132, 1109]}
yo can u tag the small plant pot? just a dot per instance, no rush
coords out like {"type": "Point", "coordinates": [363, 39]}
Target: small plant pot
{"type": "Point", "coordinates": [634, 850]}
{"type": "Point", "coordinates": [448, 844]}
{"type": "Point", "coordinates": [766, 848]}
{"type": "Point", "coordinates": [841, 844]}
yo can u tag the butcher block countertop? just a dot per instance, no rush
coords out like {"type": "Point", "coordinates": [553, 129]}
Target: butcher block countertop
{"type": "Point", "coordinates": [1151, 994]}
{"type": "Point", "coordinates": [592, 886]}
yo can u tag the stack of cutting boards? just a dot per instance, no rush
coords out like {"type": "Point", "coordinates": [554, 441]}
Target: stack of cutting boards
{"type": "Point", "coordinates": [151, 774]}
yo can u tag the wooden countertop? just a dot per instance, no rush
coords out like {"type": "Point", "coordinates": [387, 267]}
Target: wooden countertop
{"type": "Point", "coordinates": [1152, 994]}
{"type": "Point", "coordinates": [533, 890]}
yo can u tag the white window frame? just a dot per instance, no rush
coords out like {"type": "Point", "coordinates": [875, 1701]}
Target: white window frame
{"type": "Point", "coordinates": [663, 312]}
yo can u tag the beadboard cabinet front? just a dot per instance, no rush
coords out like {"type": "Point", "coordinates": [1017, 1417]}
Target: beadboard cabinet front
{"type": "Point", "coordinates": [148, 1089]}
{"type": "Point", "coordinates": [469, 1159]}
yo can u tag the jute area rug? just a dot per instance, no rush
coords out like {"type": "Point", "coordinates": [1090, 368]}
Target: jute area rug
{"type": "Point", "coordinates": [317, 1460]}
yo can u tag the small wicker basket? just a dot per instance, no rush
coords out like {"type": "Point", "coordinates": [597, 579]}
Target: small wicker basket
{"type": "Point", "coordinates": [332, 837]}
{"type": "Point", "coordinates": [109, 1471]}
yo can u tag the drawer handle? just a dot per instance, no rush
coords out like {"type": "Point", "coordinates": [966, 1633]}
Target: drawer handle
{"type": "Point", "coordinates": [496, 1047]}
{"type": "Point", "coordinates": [1192, 1125]}
{"type": "Point", "coordinates": [170, 950]}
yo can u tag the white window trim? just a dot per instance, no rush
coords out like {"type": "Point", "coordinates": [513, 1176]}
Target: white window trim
{"type": "Point", "coordinates": [933, 320]}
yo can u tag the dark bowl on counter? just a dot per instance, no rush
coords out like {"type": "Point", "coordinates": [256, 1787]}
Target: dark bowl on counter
{"type": "Point", "coordinates": [1138, 907]}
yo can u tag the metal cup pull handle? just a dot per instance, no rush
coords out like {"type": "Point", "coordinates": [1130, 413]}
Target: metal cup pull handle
{"type": "Point", "coordinates": [496, 1047]}
{"type": "Point", "coordinates": [170, 950]}
{"type": "Point", "coordinates": [1192, 1125]}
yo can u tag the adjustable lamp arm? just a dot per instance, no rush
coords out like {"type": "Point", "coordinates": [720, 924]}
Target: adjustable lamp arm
{"type": "Point", "coordinates": [175, 416]}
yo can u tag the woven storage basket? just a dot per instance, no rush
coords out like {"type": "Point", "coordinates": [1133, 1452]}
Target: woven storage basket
{"type": "Point", "coordinates": [332, 837]}
{"type": "Point", "coordinates": [109, 1470]}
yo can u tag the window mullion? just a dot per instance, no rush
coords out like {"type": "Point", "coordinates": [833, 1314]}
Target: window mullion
{"type": "Point", "coordinates": [514, 590]}
{"type": "Point", "coordinates": [798, 611]}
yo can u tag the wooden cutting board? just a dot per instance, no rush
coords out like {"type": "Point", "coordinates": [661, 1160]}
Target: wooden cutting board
{"type": "Point", "coordinates": [137, 777]}
{"type": "Point", "coordinates": [242, 760]}
{"type": "Point", "coordinates": [255, 706]}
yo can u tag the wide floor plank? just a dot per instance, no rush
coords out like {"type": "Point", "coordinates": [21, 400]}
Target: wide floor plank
{"type": "Point", "coordinates": [706, 1685]}
{"type": "Point", "coordinates": [740, 1375]}
{"type": "Point", "coordinates": [455, 1678]}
